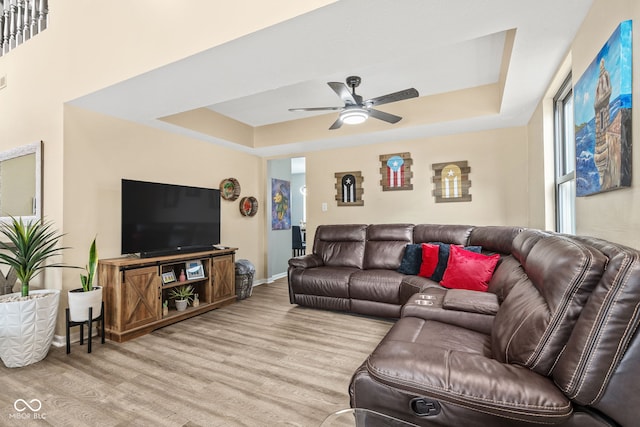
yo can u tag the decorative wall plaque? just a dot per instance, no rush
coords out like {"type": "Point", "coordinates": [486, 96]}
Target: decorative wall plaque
{"type": "Point", "coordinates": [229, 189]}
{"type": "Point", "coordinates": [349, 188]}
{"type": "Point", "coordinates": [451, 182]}
{"type": "Point", "coordinates": [248, 206]}
{"type": "Point", "coordinates": [396, 171]}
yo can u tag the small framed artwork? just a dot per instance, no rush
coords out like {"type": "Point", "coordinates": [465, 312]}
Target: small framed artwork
{"type": "Point", "coordinates": [168, 277]}
{"type": "Point", "coordinates": [396, 171]}
{"type": "Point", "coordinates": [349, 188]}
{"type": "Point", "coordinates": [194, 270]}
{"type": "Point", "coordinates": [451, 182]}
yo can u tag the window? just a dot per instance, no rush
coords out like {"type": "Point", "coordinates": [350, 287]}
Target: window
{"type": "Point", "coordinates": [565, 158]}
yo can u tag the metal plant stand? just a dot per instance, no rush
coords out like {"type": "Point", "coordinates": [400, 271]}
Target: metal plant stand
{"type": "Point", "coordinates": [81, 324]}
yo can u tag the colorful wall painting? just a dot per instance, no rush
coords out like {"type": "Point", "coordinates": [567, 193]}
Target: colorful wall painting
{"type": "Point", "coordinates": [280, 209]}
{"type": "Point", "coordinates": [602, 115]}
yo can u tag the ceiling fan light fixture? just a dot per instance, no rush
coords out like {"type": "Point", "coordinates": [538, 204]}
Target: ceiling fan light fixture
{"type": "Point", "coordinates": [354, 116]}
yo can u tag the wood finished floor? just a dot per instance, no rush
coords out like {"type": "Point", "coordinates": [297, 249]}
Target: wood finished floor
{"type": "Point", "coordinates": [258, 362]}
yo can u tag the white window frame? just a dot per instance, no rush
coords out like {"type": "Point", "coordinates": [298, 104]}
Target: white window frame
{"type": "Point", "coordinates": [565, 158]}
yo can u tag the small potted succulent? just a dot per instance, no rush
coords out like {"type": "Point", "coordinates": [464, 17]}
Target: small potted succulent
{"type": "Point", "coordinates": [182, 295]}
{"type": "Point", "coordinates": [80, 299]}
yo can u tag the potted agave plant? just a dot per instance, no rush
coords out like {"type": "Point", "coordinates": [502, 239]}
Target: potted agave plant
{"type": "Point", "coordinates": [80, 299]}
{"type": "Point", "coordinates": [182, 294]}
{"type": "Point", "coordinates": [27, 318]}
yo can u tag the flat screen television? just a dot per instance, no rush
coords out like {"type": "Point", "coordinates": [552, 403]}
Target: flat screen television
{"type": "Point", "coordinates": [163, 219]}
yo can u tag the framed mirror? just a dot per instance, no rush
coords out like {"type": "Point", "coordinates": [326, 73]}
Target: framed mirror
{"type": "Point", "coordinates": [21, 182]}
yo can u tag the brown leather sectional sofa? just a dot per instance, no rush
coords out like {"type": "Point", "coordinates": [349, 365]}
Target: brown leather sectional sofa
{"type": "Point", "coordinates": [554, 341]}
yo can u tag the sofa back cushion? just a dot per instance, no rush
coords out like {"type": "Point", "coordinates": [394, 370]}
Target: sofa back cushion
{"type": "Point", "coordinates": [341, 245]}
{"type": "Point", "coordinates": [537, 317]}
{"type": "Point", "coordinates": [456, 234]}
{"type": "Point", "coordinates": [385, 245]}
{"type": "Point", "coordinates": [599, 365]}
{"type": "Point", "coordinates": [497, 239]}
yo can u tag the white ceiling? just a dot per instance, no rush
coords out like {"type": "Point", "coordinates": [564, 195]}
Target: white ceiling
{"type": "Point", "coordinates": [436, 46]}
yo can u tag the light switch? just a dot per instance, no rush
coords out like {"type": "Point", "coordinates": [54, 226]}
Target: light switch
{"type": "Point", "coordinates": [324, 207]}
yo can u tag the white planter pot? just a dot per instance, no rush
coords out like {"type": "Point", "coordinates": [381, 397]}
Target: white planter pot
{"type": "Point", "coordinates": [79, 303]}
{"type": "Point", "coordinates": [26, 328]}
{"type": "Point", "coordinates": [181, 304]}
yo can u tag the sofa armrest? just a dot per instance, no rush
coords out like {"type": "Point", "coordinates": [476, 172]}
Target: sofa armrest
{"type": "Point", "coordinates": [469, 380]}
{"type": "Point", "coordinates": [471, 301]}
{"type": "Point", "coordinates": [429, 305]}
{"type": "Point", "coordinates": [306, 261]}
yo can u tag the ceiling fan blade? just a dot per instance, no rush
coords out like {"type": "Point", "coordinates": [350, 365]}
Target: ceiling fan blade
{"type": "Point", "coordinates": [337, 124]}
{"type": "Point", "coordinates": [381, 115]}
{"type": "Point", "coordinates": [343, 92]}
{"type": "Point", "coordinates": [393, 97]}
{"type": "Point", "coordinates": [316, 109]}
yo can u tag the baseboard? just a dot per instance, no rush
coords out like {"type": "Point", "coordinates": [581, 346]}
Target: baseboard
{"type": "Point", "coordinates": [259, 282]}
{"type": "Point", "coordinates": [276, 277]}
{"type": "Point", "coordinates": [61, 340]}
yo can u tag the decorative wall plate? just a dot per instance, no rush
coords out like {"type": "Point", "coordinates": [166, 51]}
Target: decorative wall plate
{"type": "Point", "coordinates": [229, 189]}
{"type": "Point", "coordinates": [248, 206]}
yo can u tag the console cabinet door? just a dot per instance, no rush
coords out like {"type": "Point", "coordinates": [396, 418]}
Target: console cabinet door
{"type": "Point", "coordinates": [224, 278]}
{"type": "Point", "coordinates": [141, 289]}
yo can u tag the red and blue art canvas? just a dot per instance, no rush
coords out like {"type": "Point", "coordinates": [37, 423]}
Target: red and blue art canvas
{"type": "Point", "coordinates": [280, 209]}
{"type": "Point", "coordinates": [602, 115]}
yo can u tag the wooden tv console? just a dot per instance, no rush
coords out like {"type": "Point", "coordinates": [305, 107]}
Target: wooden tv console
{"type": "Point", "coordinates": [134, 291]}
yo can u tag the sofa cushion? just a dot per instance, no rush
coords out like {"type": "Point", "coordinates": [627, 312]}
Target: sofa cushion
{"type": "Point", "coordinates": [456, 234]}
{"type": "Point", "coordinates": [323, 281]}
{"type": "Point", "coordinates": [536, 319]}
{"type": "Point", "coordinates": [376, 285]}
{"type": "Point", "coordinates": [600, 361]}
{"type": "Point", "coordinates": [341, 245]}
{"type": "Point", "coordinates": [494, 238]}
{"type": "Point", "coordinates": [453, 365]}
{"type": "Point", "coordinates": [470, 301]}
{"type": "Point", "coordinates": [411, 259]}
{"type": "Point", "coordinates": [429, 259]}
{"type": "Point", "coordinates": [468, 270]}
{"type": "Point", "coordinates": [385, 245]}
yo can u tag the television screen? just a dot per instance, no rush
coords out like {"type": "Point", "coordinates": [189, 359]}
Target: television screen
{"type": "Point", "coordinates": [159, 219]}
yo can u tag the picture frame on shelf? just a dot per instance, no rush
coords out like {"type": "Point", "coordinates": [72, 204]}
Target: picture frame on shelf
{"type": "Point", "coordinates": [168, 277]}
{"type": "Point", "coordinates": [194, 270]}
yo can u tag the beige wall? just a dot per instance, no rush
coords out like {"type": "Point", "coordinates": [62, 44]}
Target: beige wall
{"type": "Point", "coordinates": [498, 161]}
{"type": "Point", "coordinates": [88, 46]}
{"type": "Point", "coordinates": [541, 155]}
{"type": "Point", "coordinates": [101, 150]}
{"type": "Point", "coordinates": [612, 215]}
{"type": "Point", "coordinates": [78, 55]}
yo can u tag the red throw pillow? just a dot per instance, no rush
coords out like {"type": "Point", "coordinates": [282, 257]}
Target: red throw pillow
{"type": "Point", "coordinates": [429, 259]}
{"type": "Point", "coordinates": [469, 270]}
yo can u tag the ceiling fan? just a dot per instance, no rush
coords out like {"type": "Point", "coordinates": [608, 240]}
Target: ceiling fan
{"type": "Point", "coordinates": [356, 110]}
